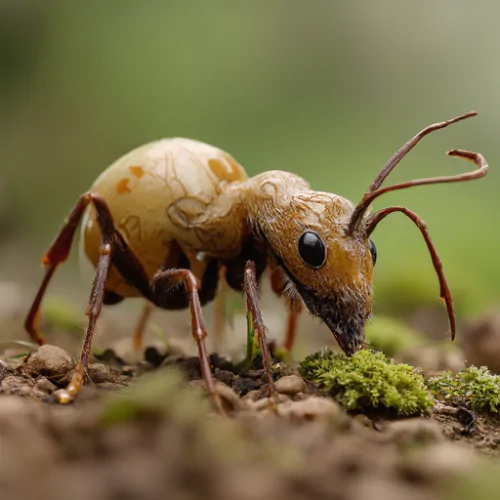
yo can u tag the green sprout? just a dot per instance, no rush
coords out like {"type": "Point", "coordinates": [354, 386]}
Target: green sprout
{"type": "Point", "coordinates": [368, 380]}
{"type": "Point", "coordinates": [253, 347]}
{"type": "Point", "coordinates": [476, 387]}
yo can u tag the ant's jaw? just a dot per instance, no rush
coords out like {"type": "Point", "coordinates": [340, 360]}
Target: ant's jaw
{"type": "Point", "coordinates": [350, 342]}
{"type": "Point", "coordinates": [344, 314]}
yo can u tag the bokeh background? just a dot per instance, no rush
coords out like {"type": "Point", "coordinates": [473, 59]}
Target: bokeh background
{"type": "Point", "coordinates": [328, 90]}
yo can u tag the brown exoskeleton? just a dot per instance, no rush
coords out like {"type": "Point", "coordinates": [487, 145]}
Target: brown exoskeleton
{"type": "Point", "coordinates": [164, 220]}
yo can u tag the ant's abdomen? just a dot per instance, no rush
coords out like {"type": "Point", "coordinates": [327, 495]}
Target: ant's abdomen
{"type": "Point", "coordinates": [156, 193]}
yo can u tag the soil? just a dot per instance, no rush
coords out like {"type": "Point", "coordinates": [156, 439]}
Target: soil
{"type": "Point", "coordinates": [304, 447]}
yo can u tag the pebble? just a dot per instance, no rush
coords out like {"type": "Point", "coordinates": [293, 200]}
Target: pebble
{"type": "Point", "coordinates": [290, 385]}
{"type": "Point", "coordinates": [100, 373]}
{"type": "Point", "coordinates": [49, 361]}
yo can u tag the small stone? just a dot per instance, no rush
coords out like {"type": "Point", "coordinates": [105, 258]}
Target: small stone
{"type": "Point", "coordinates": [310, 408]}
{"type": "Point", "coordinates": [45, 385]}
{"type": "Point", "coordinates": [414, 430]}
{"type": "Point", "coordinates": [49, 361]}
{"type": "Point", "coordinates": [290, 385]}
{"type": "Point", "coordinates": [100, 373]}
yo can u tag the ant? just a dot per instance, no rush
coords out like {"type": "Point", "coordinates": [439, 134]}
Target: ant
{"type": "Point", "coordinates": [171, 219]}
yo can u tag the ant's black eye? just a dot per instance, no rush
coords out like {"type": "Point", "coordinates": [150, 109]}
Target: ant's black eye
{"type": "Point", "coordinates": [373, 251]}
{"type": "Point", "coordinates": [312, 249]}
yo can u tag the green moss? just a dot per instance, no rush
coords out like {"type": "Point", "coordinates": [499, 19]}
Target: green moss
{"type": "Point", "coordinates": [369, 380]}
{"type": "Point", "coordinates": [391, 336]}
{"type": "Point", "coordinates": [476, 387]}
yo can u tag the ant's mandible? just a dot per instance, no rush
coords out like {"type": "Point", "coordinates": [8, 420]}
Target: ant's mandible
{"type": "Point", "coordinates": [172, 218]}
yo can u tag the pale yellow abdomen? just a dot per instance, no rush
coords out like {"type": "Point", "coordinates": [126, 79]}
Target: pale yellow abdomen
{"type": "Point", "coordinates": [154, 193]}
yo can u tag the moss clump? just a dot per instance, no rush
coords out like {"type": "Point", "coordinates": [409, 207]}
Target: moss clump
{"type": "Point", "coordinates": [369, 380]}
{"type": "Point", "coordinates": [391, 336]}
{"type": "Point", "coordinates": [476, 387]}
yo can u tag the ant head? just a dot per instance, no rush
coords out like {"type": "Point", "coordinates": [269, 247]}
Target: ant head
{"type": "Point", "coordinates": [322, 241]}
{"type": "Point", "coordinates": [330, 269]}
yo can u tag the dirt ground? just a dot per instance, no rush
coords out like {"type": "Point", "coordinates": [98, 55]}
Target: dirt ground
{"type": "Point", "coordinates": [137, 431]}
{"type": "Point", "coordinates": [145, 429]}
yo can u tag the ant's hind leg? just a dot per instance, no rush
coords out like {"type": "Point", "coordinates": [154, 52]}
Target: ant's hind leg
{"type": "Point", "coordinates": [55, 255]}
{"type": "Point", "coordinates": [112, 248]}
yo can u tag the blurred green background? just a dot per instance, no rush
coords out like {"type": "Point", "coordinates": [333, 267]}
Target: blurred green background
{"type": "Point", "coordinates": [328, 90]}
